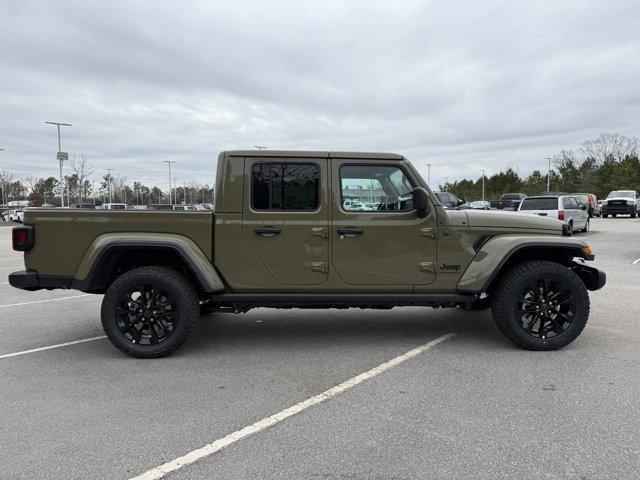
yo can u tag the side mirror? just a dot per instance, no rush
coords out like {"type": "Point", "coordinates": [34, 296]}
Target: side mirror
{"type": "Point", "coordinates": [583, 207]}
{"type": "Point", "coordinates": [420, 201]}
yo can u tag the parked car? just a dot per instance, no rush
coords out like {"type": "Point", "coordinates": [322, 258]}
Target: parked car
{"type": "Point", "coordinates": [589, 199]}
{"type": "Point", "coordinates": [12, 216]}
{"type": "Point", "coordinates": [85, 206]}
{"type": "Point", "coordinates": [508, 200]}
{"type": "Point", "coordinates": [113, 206]}
{"type": "Point", "coordinates": [621, 202]}
{"type": "Point", "coordinates": [563, 207]}
{"type": "Point", "coordinates": [480, 205]}
{"type": "Point", "coordinates": [19, 216]}
{"type": "Point", "coordinates": [449, 200]}
{"type": "Point", "coordinates": [159, 271]}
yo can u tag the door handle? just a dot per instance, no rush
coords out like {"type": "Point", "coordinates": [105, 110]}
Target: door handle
{"type": "Point", "coordinates": [268, 231]}
{"type": "Point", "coordinates": [349, 232]}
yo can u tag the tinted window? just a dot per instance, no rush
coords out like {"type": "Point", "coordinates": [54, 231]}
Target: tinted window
{"type": "Point", "coordinates": [285, 186]}
{"type": "Point", "coordinates": [539, 204]}
{"type": "Point", "coordinates": [375, 188]}
{"type": "Point", "coordinates": [511, 196]}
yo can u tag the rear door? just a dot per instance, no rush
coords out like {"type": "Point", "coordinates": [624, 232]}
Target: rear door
{"type": "Point", "coordinates": [376, 236]}
{"type": "Point", "coordinates": [285, 217]}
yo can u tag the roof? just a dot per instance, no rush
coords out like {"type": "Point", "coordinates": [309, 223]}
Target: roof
{"type": "Point", "coordinates": [311, 154]}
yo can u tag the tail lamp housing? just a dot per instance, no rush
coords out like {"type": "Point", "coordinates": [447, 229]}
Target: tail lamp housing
{"type": "Point", "coordinates": [560, 214]}
{"type": "Point", "coordinates": [23, 238]}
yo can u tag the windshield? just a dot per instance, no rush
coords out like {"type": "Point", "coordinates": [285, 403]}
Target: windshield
{"type": "Point", "coordinates": [621, 193]}
{"type": "Point", "coordinates": [539, 204]}
{"type": "Point", "coordinates": [511, 196]}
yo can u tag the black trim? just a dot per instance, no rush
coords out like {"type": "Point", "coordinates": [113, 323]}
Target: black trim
{"type": "Point", "coordinates": [329, 300]}
{"type": "Point", "coordinates": [88, 283]}
{"type": "Point", "coordinates": [593, 278]}
{"type": "Point", "coordinates": [30, 280]}
{"type": "Point", "coordinates": [479, 243]}
{"type": "Point", "coordinates": [31, 238]}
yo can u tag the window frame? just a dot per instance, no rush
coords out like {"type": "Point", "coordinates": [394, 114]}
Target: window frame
{"type": "Point", "coordinates": [281, 211]}
{"type": "Point", "coordinates": [374, 212]}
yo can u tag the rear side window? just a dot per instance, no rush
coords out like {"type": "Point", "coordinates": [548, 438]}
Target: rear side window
{"type": "Point", "coordinates": [539, 204]}
{"type": "Point", "coordinates": [285, 186]}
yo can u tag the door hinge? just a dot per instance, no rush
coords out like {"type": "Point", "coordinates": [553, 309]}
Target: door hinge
{"type": "Point", "coordinates": [318, 267]}
{"type": "Point", "coordinates": [429, 232]}
{"type": "Point", "coordinates": [319, 232]}
{"type": "Point", "coordinates": [427, 267]}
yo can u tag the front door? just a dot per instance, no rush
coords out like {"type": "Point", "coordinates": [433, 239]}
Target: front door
{"type": "Point", "coordinates": [376, 235]}
{"type": "Point", "coordinates": [285, 217]}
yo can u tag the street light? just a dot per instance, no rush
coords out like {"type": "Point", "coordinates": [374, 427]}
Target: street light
{"type": "Point", "coordinates": [169, 162]}
{"type": "Point", "coordinates": [482, 184]}
{"type": "Point", "coordinates": [548, 174]}
{"type": "Point", "coordinates": [175, 189]}
{"type": "Point", "coordinates": [61, 157]}
{"type": "Point", "coordinates": [429, 173]}
{"type": "Point", "coordinates": [2, 185]}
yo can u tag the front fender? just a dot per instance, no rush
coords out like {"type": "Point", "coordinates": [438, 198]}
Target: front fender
{"type": "Point", "coordinates": [197, 261]}
{"type": "Point", "coordinates": [497, 251]}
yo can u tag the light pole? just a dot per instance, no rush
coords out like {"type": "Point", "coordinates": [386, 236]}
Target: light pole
{"type": "Point", "coordinates": [483, 184]}
{"type": "Point", "coordinates": [429, 174]}
{"type": "Point", "coordinates": [2, 185]}
{"type": "Point", "coordinates": [109, 183]}
{"type": "Point", "coordinates": [60, 159]}
{"type": "Point", "coordinates": [549, 175]}
{"type": "Point", "coordinates": [169, 162]}
{"type": "Point", "coordinates": [446, 187]}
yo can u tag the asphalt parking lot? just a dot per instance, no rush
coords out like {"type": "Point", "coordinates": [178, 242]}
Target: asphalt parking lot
{"type": "Point", "coordinates": [471, 406]}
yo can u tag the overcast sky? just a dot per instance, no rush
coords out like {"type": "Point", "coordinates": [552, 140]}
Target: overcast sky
{"type": "Point", "coordinates": [463, 85]}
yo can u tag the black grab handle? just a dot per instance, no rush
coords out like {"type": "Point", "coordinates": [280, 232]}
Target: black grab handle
{"type": "Point", "coordinates": [350, 231]}
{"type": "Point", "coordinates": [268, 231]}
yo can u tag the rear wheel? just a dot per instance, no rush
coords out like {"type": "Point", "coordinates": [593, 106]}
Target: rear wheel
{"type": "Point", "coordinates": [149, 311]}
{"type": "Point", "coordinates": [587, 226]}
{"type": "Point", "coordinates": [604, 215]}
{"type": "Point", "coordinates": [541, 305]}
{"type": "Point", "coordinates": [634, 215]}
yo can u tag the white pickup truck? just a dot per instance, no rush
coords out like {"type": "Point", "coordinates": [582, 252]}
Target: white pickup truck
{"type": "Point", "coordinates": [621, 202]}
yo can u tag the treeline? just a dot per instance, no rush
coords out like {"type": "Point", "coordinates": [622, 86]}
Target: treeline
{"type": "Point", "coordinates": [609, 162]}
{"type": "Point", "coordinates": [79, 188]}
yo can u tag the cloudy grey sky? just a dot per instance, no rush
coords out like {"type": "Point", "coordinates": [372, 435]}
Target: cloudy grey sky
{"type": "Point", "coordinates": [462, 85]}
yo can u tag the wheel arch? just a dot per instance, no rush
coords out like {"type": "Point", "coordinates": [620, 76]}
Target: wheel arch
{"type": "Point", "coordinates": [111, 255]}
{"type": "Point", "coordinates": [499, 254]}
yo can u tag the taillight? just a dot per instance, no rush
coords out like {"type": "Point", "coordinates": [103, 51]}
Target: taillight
{"type": "Point", "coordinates": [560, 214]}
{"type": "Point", "coordinates": [23, 238]}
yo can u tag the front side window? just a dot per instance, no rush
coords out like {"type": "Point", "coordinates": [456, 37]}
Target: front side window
{"type": "Point", "coordinates": [285, 186]}
{"type": "Point", "coordinates": [371, 188]}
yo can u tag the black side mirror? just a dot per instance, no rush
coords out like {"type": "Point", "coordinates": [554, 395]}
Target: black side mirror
{"type": "Point", "coordinates": [461, 201]}
{"type": "Point", "coordinates": [420, 201]}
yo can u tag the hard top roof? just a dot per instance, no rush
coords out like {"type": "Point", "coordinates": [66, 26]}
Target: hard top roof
{"type": "Point", "coordinates": [311, 154]}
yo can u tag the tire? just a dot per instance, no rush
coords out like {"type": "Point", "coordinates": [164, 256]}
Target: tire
{"type": "Point", "coordinates": [587, 226]}
{"type": "Point", "coordinates": [132, 325]}
{"type": "Point", "coordinates": [634, 215]}
{"type": "Point", "coordinates": [614, 215]}
{"type": "Point", "coordinates": [550, 333]}
{"type": "Point", "coordinates": [604, 215]}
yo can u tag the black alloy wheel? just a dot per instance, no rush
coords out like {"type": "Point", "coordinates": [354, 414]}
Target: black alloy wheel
{"type": "Point", "coordinates": [146, 314]}
{"type": "Point", "coordinates": [546, 308]}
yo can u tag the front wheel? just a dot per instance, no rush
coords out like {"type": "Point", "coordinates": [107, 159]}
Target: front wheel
{"type": "Point", "coordinates": [541, 305]}
{"type": "Point", "coordinates": [149, 312]}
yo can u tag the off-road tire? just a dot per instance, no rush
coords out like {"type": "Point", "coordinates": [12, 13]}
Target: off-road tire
{"type": "Point", "coordinates": [183, 294]}
{"type": "Point", "coordinates": [505, 298]}
{"type": "Point", "coordinates": [634, 215]}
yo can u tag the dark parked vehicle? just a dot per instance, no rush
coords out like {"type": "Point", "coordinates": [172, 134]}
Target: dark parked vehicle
{"type": "Point", "coordinates": [508, 200]}
{"type": "Point", "coordinates": [449, 200]}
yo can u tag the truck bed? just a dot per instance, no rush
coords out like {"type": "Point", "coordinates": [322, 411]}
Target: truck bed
{"type": "Point", "coordinates": [63, 236]}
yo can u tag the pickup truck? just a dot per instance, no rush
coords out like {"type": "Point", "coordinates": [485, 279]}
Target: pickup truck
{"type": "Point", "coordinates": [621, 202]}
{"type": "Point", "coordinates": [279, 236]}
{"type": "Point", "coordinates": [508, 200]}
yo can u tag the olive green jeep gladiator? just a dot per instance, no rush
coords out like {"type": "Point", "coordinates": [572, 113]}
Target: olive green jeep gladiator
{"type": "Point", "coordinates": [310, 230]}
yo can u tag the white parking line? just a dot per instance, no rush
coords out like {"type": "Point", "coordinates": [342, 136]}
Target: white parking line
{"type": "Point", "coordinates": [636, 261]}
{"type": "Point", "coordinates": [195, 455]}
{"type": "Point", "coordinates": [17, 267]}
{"type": "Point", "coordinates": [45, 301]}
{"type": "Point", "coordinates": [50, 347]}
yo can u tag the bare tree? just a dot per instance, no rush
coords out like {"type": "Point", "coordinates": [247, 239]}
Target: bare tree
{"type": "Point", "coordinates": [82, 168]}
{"type": "Point", "coordinates": [6, 178]}
{"type": "Point", "coordinates": [610, 146]}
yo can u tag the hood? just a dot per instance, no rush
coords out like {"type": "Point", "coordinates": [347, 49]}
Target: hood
{"type": "Point", "coordinates": [627, 199]}
{"type": "Point", "coordinates": [512, 221]}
